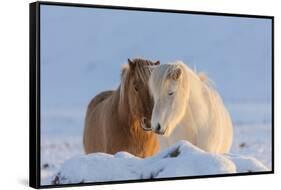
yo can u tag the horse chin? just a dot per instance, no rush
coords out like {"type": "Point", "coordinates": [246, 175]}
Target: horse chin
{"type": "Point", "coordinates": [167, 132]}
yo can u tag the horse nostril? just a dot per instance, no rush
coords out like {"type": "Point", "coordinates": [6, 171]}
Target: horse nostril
{"type": "Point", "coordinates": [158, 127]}
{"type": "Point", "coordinates": [144, 120]}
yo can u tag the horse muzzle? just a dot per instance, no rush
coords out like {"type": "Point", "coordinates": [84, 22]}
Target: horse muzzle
{"type": "Point", "coordinates": [144, 124]}
{"type": "Point", "coordinates": [159, 130]}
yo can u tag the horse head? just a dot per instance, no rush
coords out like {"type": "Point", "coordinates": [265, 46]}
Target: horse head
{"type": "Point", "coordinates": [169, 88]}
{"type": "Point", "coordinates": [135, 91]}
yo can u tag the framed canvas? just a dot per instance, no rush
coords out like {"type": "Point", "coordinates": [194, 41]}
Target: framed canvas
{"type": "Point", "coordinates": [126, 94]}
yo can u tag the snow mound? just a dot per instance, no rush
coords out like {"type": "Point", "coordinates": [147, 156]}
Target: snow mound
{"type": "Point", "coordinates": [181, 159]}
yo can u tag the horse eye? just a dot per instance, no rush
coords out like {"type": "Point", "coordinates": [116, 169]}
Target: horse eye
{"type": "Point", "coordinates": [171, 93]}
{"type": "Point", "coordinates": [136, 89]}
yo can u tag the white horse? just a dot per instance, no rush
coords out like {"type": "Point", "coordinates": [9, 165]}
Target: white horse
{"type": "Point", "coordinates": [186, 107]}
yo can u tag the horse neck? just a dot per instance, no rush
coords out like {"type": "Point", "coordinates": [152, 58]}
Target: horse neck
{"type": "Point", "coordinates": [195, 90]}
{"type": "Point", "coordinates": [121, 107]}
{"type": "Point", "coordinates": [197, 108]}
{"type": "Point", "coordinates": [123, 111]}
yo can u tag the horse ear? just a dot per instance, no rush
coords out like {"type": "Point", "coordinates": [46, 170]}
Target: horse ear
{"type": "Point", "coordinates": [175, 74]}
{"type": "Point", "coordinates": [132, 64]}
{"type": "Point", "coordinates": [157, 63]}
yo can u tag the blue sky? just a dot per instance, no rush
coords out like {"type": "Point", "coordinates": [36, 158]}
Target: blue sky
{"type": "Point", "coordinates": [82, 50]}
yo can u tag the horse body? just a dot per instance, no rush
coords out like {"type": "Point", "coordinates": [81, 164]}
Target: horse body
{"type": "Point", "coordinates": [188, 108]}
{"type": "Point", "coordinates": [114, 118]}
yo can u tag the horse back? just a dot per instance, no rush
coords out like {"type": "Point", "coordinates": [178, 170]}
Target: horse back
{"type": "Point", "coordinates": [99, 98]}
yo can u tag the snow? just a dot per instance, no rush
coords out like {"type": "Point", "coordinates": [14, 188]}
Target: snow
{"type": "Point", "coordinates": [181, 159]}
{"type": "Point", "coordinates": [62, 140]}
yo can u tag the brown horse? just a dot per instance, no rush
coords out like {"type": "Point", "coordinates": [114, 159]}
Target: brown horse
{"type": "Point", "coordinates": [115, 119]}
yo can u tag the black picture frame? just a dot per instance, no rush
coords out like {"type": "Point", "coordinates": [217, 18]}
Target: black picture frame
{"type": "Point", "coordinates": [34, 90]}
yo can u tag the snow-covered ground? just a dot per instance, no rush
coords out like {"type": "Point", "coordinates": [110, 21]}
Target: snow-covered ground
{"type": "Point", "coordinates": [181, 159]}
{"type": "Point", "coordinates": [251, 138]}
